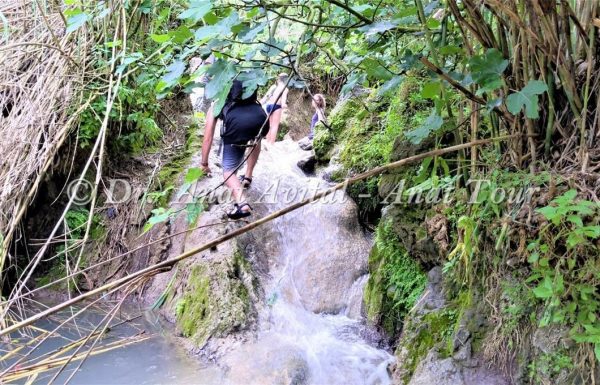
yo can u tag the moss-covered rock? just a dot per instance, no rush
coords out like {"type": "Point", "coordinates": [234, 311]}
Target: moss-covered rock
{"type": "Point", "coordinates": [215, 299]}
{"type": "Point", "coordinates": [395, 283]}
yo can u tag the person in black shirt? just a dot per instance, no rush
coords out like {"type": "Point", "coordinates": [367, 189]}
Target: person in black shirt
{"type": "Point", "coordinates": [244, 120]}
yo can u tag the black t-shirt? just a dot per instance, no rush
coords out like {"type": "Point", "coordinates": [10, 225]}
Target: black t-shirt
{"type": "Point", "coordinates": [242, 122]}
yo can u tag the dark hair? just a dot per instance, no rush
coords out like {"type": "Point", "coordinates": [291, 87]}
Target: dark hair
{"type": "Point", "coordinates": [237, 91]}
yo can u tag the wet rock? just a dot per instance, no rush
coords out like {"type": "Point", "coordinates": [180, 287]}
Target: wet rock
{"type": "Point", "coordinates": [433, 297]}
{"type": "Point", "coordinates": [448, 371]}
{"type": "Point", "coordinates": [277, 365]}
{"type": "Point", "coordinates": [307, 165]}
{"type": "Point", "coordinates": [433, 370]}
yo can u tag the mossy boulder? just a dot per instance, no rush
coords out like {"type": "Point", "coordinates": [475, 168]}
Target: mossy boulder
{"type": "Point", "coordinates": [215, 299]}
{"type": "Point", "coordinates": [395, 283]}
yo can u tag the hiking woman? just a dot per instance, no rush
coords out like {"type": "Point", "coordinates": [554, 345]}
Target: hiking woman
{"type": "Point", "coordinates": [318, 103]}
{"type": "Point", "coordinates": [243, 121]}
{"type": "Point", "coordinates": [274, 100]}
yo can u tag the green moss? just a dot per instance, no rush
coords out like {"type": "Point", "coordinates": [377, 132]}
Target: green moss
{"type": "Point", "coordinates": [395, 283]}
{"type": "Point", "coordinates": [169, 173]}
{"type": "Point", "coordinates": [56, 272]}
{"type": "Point", "coordinates": [216, 299]}
{"type": "Point", "coordinates": [323, 143]}
{"type": "Point", "coordinates": [432, 329]}
{"type": "Point", "coordinates": [193, 310]}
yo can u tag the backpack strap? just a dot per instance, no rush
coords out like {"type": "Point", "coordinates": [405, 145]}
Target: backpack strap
{"type": "Point", "coordinates": [226, 108]}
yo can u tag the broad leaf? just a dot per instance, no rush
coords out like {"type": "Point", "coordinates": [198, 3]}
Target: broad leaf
{"type": "Point", "coordinates": [206, 33]}
{"type": "Point", "coordinates": [159, 215]}
{"type": "Point", "coordinates": [252, 80]}
{"type": "Point", "coordinates": [193, 175]}
{"type": "Point", "coordinates": [160, 38]}
{"type": "Point", "coordinates": [197, 10]}
{"type": "Point", "coordinates": [431, 90]}
{"type": "Point", "coordinates": [193, 210]}
{"type": "Point", "coordinates": [76, 21]}
{"type": "Point", "coordinates": [487, 69]}
{"type": "Point", "coordinates": [390, 85]}
{"type": "Point", "coordinates": [379, 27]}
{"type": "Point", "coordinates": [431, 124]}
{"type": "Point", "coordinates": [174, 72]}
{"type": "Point", "coordinates": [222, 73]}
{"type": "Point", "coordinates": [251, 34]}
{"type": "Point", "coordinates": [374, 69]}
{"type": "Point", "coordinates": [527, 97]}
{"type": "Point", "coordinates": [544, 289]}
{"type": "Point", "coordinates": [354, 80]}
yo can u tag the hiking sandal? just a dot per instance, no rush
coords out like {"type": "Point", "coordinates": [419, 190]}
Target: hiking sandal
{"type": "Point", "coordinates": [246, 182]}
{"type": "Point", "coordinates": [239, 212]}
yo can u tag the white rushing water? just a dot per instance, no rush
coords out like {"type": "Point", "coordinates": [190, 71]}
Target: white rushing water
{"type": "Point", "coordinates": [312, 331]}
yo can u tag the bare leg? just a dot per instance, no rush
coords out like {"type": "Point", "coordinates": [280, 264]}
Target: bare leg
{"type": "Point", "coordinates": [252, 159]}
{"type": "Point", "coordinates": [233, 183]}
{"type": "Point", "coordinates": [274, 120]}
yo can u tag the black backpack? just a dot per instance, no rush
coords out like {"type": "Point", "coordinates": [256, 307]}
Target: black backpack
{"type": "Point", "coordinates": [252, 120]}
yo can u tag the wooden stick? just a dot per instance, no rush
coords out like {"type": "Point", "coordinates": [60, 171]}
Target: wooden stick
{"type": "Point", "coordinates": [155, 269]}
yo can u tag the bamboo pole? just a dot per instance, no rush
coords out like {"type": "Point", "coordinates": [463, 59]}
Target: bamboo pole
{"type": "Point", "coordinates": [157, 268]}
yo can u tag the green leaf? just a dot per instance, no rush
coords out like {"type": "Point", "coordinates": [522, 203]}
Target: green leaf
{"type": "Point", "coordinates": [193, 210]}
{"type": "Point", "coordinates": [597, 351]}
{"type": "Point", "coordinates": [431, 90]}
{"type": "Point", "coordinates": [533, 258]}
{"type": "Point", "coordinates": [379, 27]}
{"type": "Point", "coordinates": [77, 21]}
{"type": "Point", "coordinates": [193, 174]}
{"type": "Point", "coordinates": [450, 50]}
{"type": "Point", "coordinates": [197, 10]}
{"type": "Point", "coordinates": [487, 70]}
{"type": "Point", "coordinates": [390, 85]}
{"type": "Point", "coordinates": [160, 38]}
{"type": "Point", "coordinates": [374, 69]}
{"type": "Point", "coordinates": [576, 220]}
{"type": "Point", "coordinates": [527, 97]}
{"type": "Point", "coordinates": [251, 80]}
{"type": "Point", "coordinates": [160, 215]}
{"type": "Point", "coordinates": [544, 289]}
{"type": "Point", "coordinates": [181, 34]}
{"type": "Point", "coordinates": [591, 231]}
{"type": "Point", "coordinates": [251, 34]}
{"type": "Point", "coordinates": [174, 72]}
{"type": "Point", "coordinates": [549, 212]}
{"type": "Point", "coordinates": [353, 80]}
{"type": "Point", "coordinates": [431, 124]}
{"type": "Point", "coordinates": [222, 73]}
{"type": "Point", "coordinates": [129, 59]}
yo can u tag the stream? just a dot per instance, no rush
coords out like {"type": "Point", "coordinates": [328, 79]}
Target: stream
{"type": "Point", "coordinates": [310, 330]}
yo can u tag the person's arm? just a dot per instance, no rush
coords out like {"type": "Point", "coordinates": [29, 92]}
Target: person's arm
{"type": "Point", "coordinates": [284, 98]}
{"type": "Point", "coordinates": [266, 96]}
{"type": "Point", "coordinates": [209, 133]}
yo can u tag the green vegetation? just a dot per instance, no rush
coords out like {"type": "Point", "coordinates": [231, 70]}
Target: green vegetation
{"type": "Point", "coordinates": [396, 281]}
{"type": "Point", "coordinates": [216, 298]}
{"type": "Point", "coordinates": [410, 76]}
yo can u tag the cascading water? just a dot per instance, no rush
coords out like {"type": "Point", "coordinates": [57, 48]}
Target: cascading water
{"type": "Point", "coordinates": [311, 331]}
